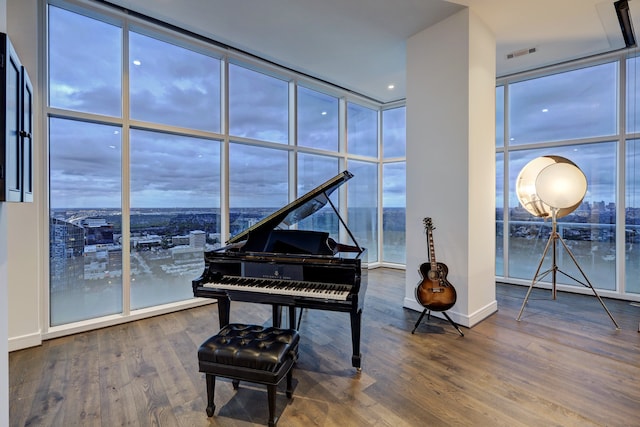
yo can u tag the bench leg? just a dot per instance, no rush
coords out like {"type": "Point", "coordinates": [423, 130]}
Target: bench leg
{"type": "Point", "coordinates": [211, 387]}
{"type": "Point", "coordinates": [271, 393]}
{"type": "Point", "coordinates": [290, 383]}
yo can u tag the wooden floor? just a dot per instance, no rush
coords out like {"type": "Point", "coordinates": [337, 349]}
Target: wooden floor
{"type": "Point", "coordinates": [564, 364]}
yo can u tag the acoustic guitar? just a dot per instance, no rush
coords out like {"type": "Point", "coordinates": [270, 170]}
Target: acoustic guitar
{"type": "Point", "coordinates": [434, 292]}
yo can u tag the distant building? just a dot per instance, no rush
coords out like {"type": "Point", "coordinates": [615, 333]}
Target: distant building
{"type": "Point", "coordinates": [97, 231]}
{"type": "Point", "coordinates": [146, 242]}
{"type": "Point", "coordinates": [181, 254]}
{"type": "Point", "coordinates": [115, 258]}
{"type": "Point", "coordinates": [66, 251]}
{"type": "Point", "coordinates": [180, 240]}
{"type": "Point", "coordinates": [197, 238]}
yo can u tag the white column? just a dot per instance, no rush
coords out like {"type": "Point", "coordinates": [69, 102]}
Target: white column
{"type": "Point", "coordinates": [451, 160]}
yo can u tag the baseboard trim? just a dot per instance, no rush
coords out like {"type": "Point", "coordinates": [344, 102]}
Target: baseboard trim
{"type": "Point", "coordinates": [461, 319]}
{"type": "Point", "coordinates": [25, 341]}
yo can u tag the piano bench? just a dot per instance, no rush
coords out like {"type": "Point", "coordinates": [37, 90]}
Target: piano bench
{"type": "Point", "coordinates": [250, 353]}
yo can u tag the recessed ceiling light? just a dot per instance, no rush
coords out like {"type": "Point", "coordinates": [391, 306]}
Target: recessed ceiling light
{"type": "Point", "coordinates": [545, 110]}
{"type": "Point", "coordinates": [136, 62]}
{"type": "Point", "coordinates": [391, 86]}
{"type": "Point", "coordinates": [324, 113]}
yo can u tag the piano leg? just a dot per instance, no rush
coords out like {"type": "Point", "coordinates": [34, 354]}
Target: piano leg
{"type": "Point", "coordinates": [356, 359]}
{"type": "Point", "coordinates": [277, 316]}
{"type": "Point", "coordinates": [224, 305]}
{"type": "Point", "coordinates": [292, 317]}
{"type": "Point", "coordinates": [276, 311]}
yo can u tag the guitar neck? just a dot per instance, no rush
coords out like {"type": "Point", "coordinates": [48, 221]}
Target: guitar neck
{"type": "Point", "coordinates": [432, 249]}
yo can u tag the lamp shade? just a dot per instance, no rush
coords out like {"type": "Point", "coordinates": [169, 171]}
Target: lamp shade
{"type": "Point", "coordinates": [548, 182]}
{"type": "Point", "coordinates": [561, 185]}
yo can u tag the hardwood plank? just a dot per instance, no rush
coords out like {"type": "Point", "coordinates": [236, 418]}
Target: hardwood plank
{"type": "Point", "coordinates": [47, 405]}
{"type": "Point", "coordinates": [116, 396]}
{"type": "Point", "coordinates": [151, 402]}
{"type": "Point", "coordinates": [82, 384]}
{"type": "Point", "coordinates": [563, 364]}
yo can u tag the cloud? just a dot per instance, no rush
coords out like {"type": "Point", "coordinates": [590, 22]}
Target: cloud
{"type": "Point", "coordinates": [174, 171]}
{"type": "Point", "coordinates": [571, 105]}
{"type": "Point", "coordinates": [174, 86]}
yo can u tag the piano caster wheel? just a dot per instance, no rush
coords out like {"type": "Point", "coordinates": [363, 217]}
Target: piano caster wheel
{"type": "Point", "coordinates": [235, 384]}
{"type": "Point", "coordinates": [356, 362]}
{"type": "Point", "coordinates": [210, 410]}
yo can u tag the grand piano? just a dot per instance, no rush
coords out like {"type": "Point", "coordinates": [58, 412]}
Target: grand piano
{"type": "Point", "coordinates": [274, 262]}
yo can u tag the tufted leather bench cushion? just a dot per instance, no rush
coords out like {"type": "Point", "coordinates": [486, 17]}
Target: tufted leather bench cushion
{"type": "Point", "coordinates": [250, 346]}
{"type": "Point", "coordinates": [250, 353]}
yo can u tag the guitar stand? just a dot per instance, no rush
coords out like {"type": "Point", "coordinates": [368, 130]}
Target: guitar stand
{"type": "Point", "coordinates": [428, 313]}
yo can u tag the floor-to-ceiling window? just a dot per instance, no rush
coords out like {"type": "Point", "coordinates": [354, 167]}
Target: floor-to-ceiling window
{"type": "Point", "coordinates": [85, 160]}
{"type": "Point", "coordinates": [574, 112]}
{"type": "Point", "coordinates": [362, 141]}
{"type": "Point", "coordinates": [174, 193]}
{"type": "Point", "coordinates": [174, 179]}
{"type": "Point", "coordinates": [313, 170]}
{"type": "Point", "coordinates": [318, 115]}
{"type": "Point", "coordinates": [318, 129]}
{"type": "Point", "coordinates": [162, 146]}
{"type": "Point", "coordinates": [85, 220]}
{"type": "Point", "coordinates": [394, 174]}
{"type": "Point", "coordinates": [500, 199]}
{"type": "Point", "coordinates": [632, 176]}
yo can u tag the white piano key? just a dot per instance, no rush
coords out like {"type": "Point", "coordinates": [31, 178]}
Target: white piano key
{"type": "Point", "coordinates": [282, 287]}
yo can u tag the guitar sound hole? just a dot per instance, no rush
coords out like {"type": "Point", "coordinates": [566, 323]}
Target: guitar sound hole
{"type": "Point", "coordinates": [433, 275]}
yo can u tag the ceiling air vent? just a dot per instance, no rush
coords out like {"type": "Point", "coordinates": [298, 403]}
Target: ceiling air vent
{"type": "Point", "coordinates": [521, 52]}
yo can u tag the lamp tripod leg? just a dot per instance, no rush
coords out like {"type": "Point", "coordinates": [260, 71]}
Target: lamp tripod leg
{"type": "Point", "coordinates": [535, 276]}
{"type": "Point", "coordinates": [589, 285]}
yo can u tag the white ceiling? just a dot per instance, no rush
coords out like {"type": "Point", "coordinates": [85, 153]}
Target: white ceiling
{"type": "Point", "coordinates": [360, 44]}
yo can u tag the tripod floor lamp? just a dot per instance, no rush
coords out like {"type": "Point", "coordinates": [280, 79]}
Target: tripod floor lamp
{"type": "Point", "coordinates": [552, 187]}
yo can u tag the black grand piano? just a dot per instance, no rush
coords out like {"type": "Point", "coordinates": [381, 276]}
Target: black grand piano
{"type": "Point", "coordinates": [275, 263]}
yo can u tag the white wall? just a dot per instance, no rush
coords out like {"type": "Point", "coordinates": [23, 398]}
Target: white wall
{"type": "Point", "coordinates": [19, 226]}
{"type": "Point", "coordinates": [482, 171]}
{"type": "Point", "coordinates": [451, 160]}
{"type": "Point", "coordinates": [4, 318]}
{"type": "Point", "coordinates": [24, 237]}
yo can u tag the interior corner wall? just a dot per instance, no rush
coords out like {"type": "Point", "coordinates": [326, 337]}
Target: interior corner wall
{"type": "Point", "coordinates": [20, 229]}
{"type": "Point", "coordinates": [24, 220]}
{"type": "Point", "coordinates": [451, 160]}
{"type": "Point", "coordinates": [4, 317]}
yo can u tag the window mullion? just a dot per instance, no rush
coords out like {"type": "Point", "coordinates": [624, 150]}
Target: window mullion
{"type": "Point", "coordinates": [126, 178]}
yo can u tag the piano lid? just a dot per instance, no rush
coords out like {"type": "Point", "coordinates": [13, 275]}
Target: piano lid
{"type": "Point", "coordinates": [294, 212]}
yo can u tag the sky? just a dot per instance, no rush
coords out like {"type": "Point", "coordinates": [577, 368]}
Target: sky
{"type": "Point", "coordinates": [582, 106]}
{"type": "Point", "coordinates": [176, 87]}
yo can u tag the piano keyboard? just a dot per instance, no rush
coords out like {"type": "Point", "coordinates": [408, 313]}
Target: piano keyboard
{"type": "Point", "coordinates": [282, 287]}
